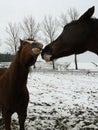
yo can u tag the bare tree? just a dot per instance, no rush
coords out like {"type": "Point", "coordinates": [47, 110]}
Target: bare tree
{"type": "Point", "coordinates": [49, 28]}
{"type": "Point", "coordinates": [30, 28]}
{"type": "Point", "coordinates": [13, 36]}
{"type": "Point", "coordinates": [73, 14]}
{"type": "Point", "coordinates": [63, 20]}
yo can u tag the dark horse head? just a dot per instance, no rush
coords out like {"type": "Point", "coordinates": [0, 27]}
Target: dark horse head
{"type": "Point", "coordinates": [77, 37]}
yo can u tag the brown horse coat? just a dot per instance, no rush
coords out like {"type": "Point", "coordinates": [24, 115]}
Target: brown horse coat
{"type": "Point", "coordinates": [2, 70]}
{"type": "Point", "coordinates": [14, 96]}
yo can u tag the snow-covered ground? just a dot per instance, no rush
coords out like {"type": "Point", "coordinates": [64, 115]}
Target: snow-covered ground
{"type": "Point", "coordinates": [61, 100]}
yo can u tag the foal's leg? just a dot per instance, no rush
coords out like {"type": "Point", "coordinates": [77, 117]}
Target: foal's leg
{"type": "Point", "coordinates": [7, 119]}
{"type": "Point", "coordinates": [22, 117]}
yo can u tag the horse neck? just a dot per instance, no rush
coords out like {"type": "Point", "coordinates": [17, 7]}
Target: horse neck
{"type": "Point", "coordinates": [18, 71]}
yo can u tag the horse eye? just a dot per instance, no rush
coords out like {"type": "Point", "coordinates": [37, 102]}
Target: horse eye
{"type": "Point", "coordinates": [25, 43]}
{"type": "Point", "coordinates": [48, 49]}
{"type": "Point", "coordinates": [67, 26]}
{"type": "Point", "coordinates": [33, 44]}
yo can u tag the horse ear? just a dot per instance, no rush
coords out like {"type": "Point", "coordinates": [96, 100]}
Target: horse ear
{"type": "Point", "coordinates": [21, 42]}
{"type": "Point", "coordinates": [87, 14]}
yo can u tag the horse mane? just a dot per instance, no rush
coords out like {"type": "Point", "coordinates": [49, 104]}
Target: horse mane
{"type": "Point", "coordinates": [30, 39]}
{"type": "Point", "coordinates": [90, 20]}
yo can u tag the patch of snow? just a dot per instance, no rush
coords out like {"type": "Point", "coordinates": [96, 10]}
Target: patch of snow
{"type": "Point", "coordinates": [61, 101]}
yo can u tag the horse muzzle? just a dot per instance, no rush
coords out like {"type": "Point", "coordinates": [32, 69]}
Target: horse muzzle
{"type": "Point", "coordinates": [37, 50]}
{"type": "Point", "coordinates": [47, 57]}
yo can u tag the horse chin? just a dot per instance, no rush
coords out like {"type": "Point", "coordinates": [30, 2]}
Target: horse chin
{"type": "Point", "coordinates": [30, 64]}
{"type": "Point", "coordinates": [47, 57]}
{"type": "Point", "coordinates": [31, 61]}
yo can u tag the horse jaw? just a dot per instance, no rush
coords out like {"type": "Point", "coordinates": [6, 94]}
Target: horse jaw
{"type": "Point", "coordinates": [47, 57]}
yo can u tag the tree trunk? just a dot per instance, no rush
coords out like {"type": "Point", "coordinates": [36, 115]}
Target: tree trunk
{"type": "Point", "coordinates": [76, 65]}
{"type": "Point", "coordinates": [53, 64]}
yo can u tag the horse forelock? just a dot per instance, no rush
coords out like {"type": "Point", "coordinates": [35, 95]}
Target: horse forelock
{"type": "Point", "coordinates": [30, 41]}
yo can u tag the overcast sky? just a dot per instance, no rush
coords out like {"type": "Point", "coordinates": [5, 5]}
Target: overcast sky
{"type": "Point", "coordinates": [16, 10]}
